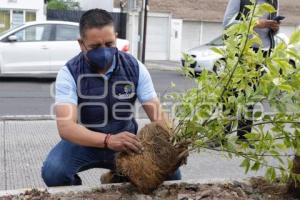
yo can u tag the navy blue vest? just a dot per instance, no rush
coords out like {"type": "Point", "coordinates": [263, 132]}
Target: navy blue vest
{"type": "Point", "coordinates": [106, 105]}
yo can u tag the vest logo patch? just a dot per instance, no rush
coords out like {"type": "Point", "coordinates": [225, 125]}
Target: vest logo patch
{"type": "Point", "coordinates": [126, 91]}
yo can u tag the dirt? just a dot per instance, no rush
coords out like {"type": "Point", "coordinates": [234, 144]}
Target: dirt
{"type": "Point", "coordinates": [257, 189]}
{"type": "Point", "coordinates": [159, 160]}
{"type": "Point", "coordinates": [293, 185]}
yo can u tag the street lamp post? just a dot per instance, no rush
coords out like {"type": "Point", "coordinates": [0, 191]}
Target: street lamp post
{"type": "Point", "coordinates": [145, 30]}
{"type": "Point", "coordinates": [143, 20]}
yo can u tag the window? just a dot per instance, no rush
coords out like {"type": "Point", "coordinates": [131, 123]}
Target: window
{"type": "Point", "coordinates": [217, 42]}
{"type": "Point", "coordinates": [66, 33]}
{"type": "Point", "coordinates": [30, 16]}
{"type": "Point", "coordinates": [34, 33]}
{"type": "Point", "coordinates": [17, 18]}
{"type": "Point", "coordinates": [4, 20]}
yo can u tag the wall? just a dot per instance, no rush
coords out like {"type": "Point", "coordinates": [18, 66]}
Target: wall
{"type": "Point", "coordinates": [191, 34]}
{"type": "Point", "coordinates": [213, 10]}
{"type": "Point", "coordinates": [103, 4]}
{"type": "Point", "coordinates": [198, 33]}
{"type": "Point", "coordinates": [158, 35]}
{"type": "Point", "coordinates": [211, 30]}
{"type": "Point", "coordinates": [133, 32]}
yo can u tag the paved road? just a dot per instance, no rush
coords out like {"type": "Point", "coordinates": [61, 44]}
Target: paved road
{"type": "Point", "coordinates": [33, 96]}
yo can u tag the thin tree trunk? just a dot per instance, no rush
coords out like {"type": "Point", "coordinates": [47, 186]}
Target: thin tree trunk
{"type": "Point", "coordinates": [293, 185]}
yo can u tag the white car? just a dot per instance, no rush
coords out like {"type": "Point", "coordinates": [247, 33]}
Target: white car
{"type": "Point", "coordinates": [39, 49]}
{"type": "Point", "coordinates": [205, 58]}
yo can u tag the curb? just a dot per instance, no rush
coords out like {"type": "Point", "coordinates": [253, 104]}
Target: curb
{"type": "Point", "coordinates": [77, 189]}
{"type": "Point", "coordinates": [26, 117]}
{"type": "Point", "coordinates": [43, 117]}
{"type": "Point", "coordinates": [162, 68]}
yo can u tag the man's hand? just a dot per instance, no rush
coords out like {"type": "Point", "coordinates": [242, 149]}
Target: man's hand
{"type": "Point", "coordinates": [125, 141]}
{"type": "Point", "coordinates": [263, 23]}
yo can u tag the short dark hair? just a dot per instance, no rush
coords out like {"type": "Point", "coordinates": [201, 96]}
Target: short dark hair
{"type": "Point", "coordinates": [95, 18]}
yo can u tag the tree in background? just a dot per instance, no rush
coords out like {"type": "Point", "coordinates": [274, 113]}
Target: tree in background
{"type": "Point", "coordinates": [63, 5]}
{"type": "Point", "coordinates": [202, 113]}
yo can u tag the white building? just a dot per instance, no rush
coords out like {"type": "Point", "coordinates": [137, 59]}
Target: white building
{"type": "Point", "coordinates": [175, 26]}
{"type": "Point", "coordinates": [16, 12]}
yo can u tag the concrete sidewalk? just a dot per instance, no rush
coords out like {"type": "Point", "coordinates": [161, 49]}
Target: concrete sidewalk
{"type": "Point", "coordinates": [165, 65]}
{"type": "Point", "coordinates": [25, 144]}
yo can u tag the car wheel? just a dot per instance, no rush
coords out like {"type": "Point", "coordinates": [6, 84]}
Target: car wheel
{"type": "Point", "coordinates": [219, 66]}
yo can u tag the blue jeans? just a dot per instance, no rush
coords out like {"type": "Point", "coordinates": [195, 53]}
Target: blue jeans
{"type": "Point", "coordinates": [66, 159]}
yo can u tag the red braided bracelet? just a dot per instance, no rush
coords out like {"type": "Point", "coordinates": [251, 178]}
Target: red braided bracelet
{"type": "Point", "coordinates": [106, 140]}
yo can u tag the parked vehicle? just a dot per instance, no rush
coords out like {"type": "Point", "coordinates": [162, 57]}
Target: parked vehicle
{"type": "Point", "coordinates": [41, 48]}
{"type": "Point", "coordinates": [205, 58]}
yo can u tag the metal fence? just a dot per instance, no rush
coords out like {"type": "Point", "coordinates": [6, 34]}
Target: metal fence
{"type": "Point", "coordinates": [120, 19]}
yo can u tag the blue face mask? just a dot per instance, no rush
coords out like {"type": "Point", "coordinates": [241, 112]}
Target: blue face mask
{"type": "Point", "coordinates": [101, 58]}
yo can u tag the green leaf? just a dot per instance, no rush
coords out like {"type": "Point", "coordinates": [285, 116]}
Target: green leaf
{"type": "Point", "coordinates": [287, 143]}
{"type": "Point", "coordinates": [297, 177]}
{"type": "Point", "coordinates": [295, 37]}
{"type": "Point", "coordinates": [252, 136]}
{"type": "Point", "coordinates": [246, 164]}
{"type": "Point", "coordinates": [258, 114]}
{"type": "Point", "coordinates": [286, 87]}
{"type": "Point", "coordinates": [293, 54]}
{"type": "Point", "coordinates": [218, 50]}
{"type": "Point", "coordinates": [271, 174]}
{"type": "Point", "coordinates": [266, 7]}
{"type": "Point", "coordinates": [63, 5]}
{"type": "Point", "coordinates": [267, 118]}
{"type": "Point", "coordinates": [290, 164]}
{"type": "Point", "coordinates": [263, 9]}
{"type": "Point", "coordinates": [256, 166]}
{"type": "Point", "coordinates": [298, 151]}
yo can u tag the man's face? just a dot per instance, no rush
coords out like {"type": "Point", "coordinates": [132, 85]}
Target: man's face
{"type": "Point", "coordinates": [98, 37]}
